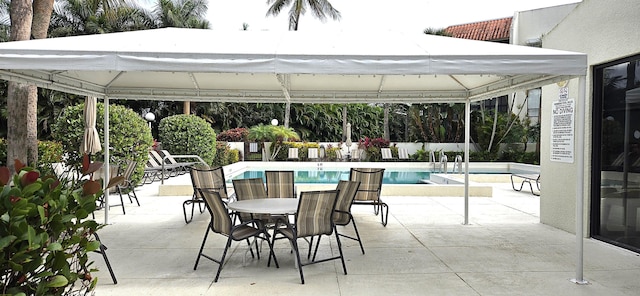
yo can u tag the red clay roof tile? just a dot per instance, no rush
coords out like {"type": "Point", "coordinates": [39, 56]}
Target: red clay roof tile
{"type": "Point", "coordinates": [492, 30]}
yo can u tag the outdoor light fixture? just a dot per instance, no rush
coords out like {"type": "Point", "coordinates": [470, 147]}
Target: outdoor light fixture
{"type": "Point", "coordinates": [150, 117]}
{"type": "Point", "coordinates": [274, 122]}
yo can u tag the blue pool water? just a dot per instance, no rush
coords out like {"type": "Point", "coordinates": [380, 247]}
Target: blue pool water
{"type": "Point", "coordinates": [333, 176]}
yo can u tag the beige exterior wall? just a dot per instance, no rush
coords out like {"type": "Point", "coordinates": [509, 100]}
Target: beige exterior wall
{"type": "Point", "coordinates": [605, 31]}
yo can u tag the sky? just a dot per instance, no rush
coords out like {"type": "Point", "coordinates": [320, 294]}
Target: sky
{"type": "Point", "coordinates": [380, 15]}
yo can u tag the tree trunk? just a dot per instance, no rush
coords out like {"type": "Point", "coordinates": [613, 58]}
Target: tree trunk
{"type": "Point", "coordinates": [19, 138]}
{"type": "Point", "coordinates": [344, 123]}
{"type": "Point", "coordinates": [385, 122]}
{"type": "Point", "coordinates": [287, 114]}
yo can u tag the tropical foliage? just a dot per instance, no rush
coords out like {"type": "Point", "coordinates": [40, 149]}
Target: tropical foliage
{"type": "Point", "coordinates": [321, 9]}
{"type": "Point", "coordinates": [46, 236]}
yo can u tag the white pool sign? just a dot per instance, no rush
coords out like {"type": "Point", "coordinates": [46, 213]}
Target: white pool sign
{"type": "Point", "coordinates": [562, 128]}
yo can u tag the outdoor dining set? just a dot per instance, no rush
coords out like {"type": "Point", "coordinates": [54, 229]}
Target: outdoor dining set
{"type": "Point", "coordinates": [271, 209]}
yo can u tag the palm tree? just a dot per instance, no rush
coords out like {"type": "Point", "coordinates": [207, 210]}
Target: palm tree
{"type": "Point", "coordinates": [319, 8]}
{"type": "Point", "coordinates": [181, 14]}
{"type": "Point", "coordinates": [274, 134]}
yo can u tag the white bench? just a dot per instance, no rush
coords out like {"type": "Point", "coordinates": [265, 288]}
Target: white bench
{"type": "Point", "coordinates": [527, 178]}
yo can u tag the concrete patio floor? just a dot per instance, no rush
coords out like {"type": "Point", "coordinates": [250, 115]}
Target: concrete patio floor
{"type": "Point", "coordinates": [424, 250]}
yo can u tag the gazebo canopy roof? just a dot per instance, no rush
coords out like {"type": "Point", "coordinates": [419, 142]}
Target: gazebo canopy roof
{"type": "Point", "coordinates": [264, 66]}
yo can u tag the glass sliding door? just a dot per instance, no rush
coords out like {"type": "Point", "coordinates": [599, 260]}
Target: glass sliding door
{"type": "Point", "coordinates": [615, 206]}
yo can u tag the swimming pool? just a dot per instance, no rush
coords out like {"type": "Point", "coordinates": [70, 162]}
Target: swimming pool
{"type": "Point", "coordinates": [332, 176]}
{"type": "Point", "coordinates": [396, 173]}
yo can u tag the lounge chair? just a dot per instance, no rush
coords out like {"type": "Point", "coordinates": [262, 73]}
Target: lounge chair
{"type": "Point", "coordinates": [527, 178]}
{"type": "Point", "coordinates": [386, 154]}
{"type": "Point", "coordinates": [403, 154]}
{"type": "Point", "coordinates": [173, 159]}
{"type": "Point", "coordinates": [293, 154]}
{"type": "Point", "coordinates": [312, 154]}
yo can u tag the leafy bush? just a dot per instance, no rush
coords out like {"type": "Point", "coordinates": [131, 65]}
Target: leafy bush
{"type": "Point", "coordinates": [129, 136]}
{"type": "Point", "coordinates": [225, 155]}
{"type": "Point", "coordinates": [234, 135]}
{"type": "Point", "coordinates": [188, 134]}
{"type": "Point", "coordinates": [46, 234]}
{"type": "Point", "coordinates": [48, 152]}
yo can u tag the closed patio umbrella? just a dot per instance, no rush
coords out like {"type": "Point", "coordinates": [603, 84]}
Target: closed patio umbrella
{"type": "Point", "coordinates": [348, 142]}
{"type": "Point", "coordinates": [91, 142]}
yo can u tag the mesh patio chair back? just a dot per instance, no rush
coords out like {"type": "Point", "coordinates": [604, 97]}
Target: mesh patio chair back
{"type": "Point", "coordinates": [210, 179]}
{"type": "Point", "coordinates": [280, 184]}
{"type": "Point", "coordinates": [370, 189]}
{"type": "Point", "coordinates": [127, 183]}
{"type": "Point", "coordinates": [370, 183]}
{"type": "Point", "coordinates": [206, 179]}
{"type": "Point", "coordinates": [315, 213]}
{"type": "Point", "coordinates": [246, 189]}
{"type": "Point", "coordinates": [346, 193]}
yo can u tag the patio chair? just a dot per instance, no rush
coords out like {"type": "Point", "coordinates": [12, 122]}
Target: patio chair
{"type": "Point", "coordinates": [161, 172]}
{"type": "Point", "coordinates": [280, 184]}
{"type": "Point", "coordinates": [403, 154]}
{"type": "Point", "coordinates": [206, 179]}
{"type": "Point", "coordinates": [342, 216]}
{"type": "Point", "coordinates": [386, 154]}
{"type": "Point", "coordinates": [221, 223]}
{"type": "Point", "coordinates": [127, 184]}
{"type": "Point", "coordinates": [369, 190]}
{"type": "Point", "coordinates": [313, 218]}
{"type": "Point", "coordinates": [312, 154]}
{"type": "Point", "coordinates": [293, 154]}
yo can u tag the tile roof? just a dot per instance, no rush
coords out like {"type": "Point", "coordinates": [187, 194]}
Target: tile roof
{"type": "Point", "coordinates": [492, 30]}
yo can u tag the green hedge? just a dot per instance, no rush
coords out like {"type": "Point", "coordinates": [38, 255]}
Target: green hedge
{"type": "Point", "coordinates": [48, 152]}
{"type": "Point", "coordinates": [188, 134]}
{"type": "Point", "coordinates": [129, 136]}
{"type": "Point", "coordinates": [225, 155]}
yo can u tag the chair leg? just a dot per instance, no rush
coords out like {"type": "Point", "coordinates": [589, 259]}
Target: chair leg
{"type": "Point", "coordinates": [224, 254]}
{"type": "Point", "coordinates": [271, 253]}
{"type": "Point", "coordinates": [121, 200]}
{"type": "Point", "coordinates": [344, 266]}
{"type": "Point", "coordinates": [204, 240]}
{"type": "Point", "coordinates": [384, 215]}
{"type": "Point", "coordinates": [297, 251]}
{"type": "Point", "coordinates": [355, 228]}
{"type": "Point", "coordinates": [103, 252]}
{"type": "Point", "coordinates": [133, 192]}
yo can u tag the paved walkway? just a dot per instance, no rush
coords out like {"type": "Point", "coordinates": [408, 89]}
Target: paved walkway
{"type": "Point", "coordinates": [424, 250]}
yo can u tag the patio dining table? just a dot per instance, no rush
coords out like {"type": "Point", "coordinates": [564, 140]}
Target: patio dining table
{"type": "Point", "coordinates": [272, 206]}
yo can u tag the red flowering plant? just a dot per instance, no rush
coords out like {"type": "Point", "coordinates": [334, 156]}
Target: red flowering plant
{"type": "Point", "coordinates": [372, 147]}
{"type": "Point", "coordinates": [46, 233]}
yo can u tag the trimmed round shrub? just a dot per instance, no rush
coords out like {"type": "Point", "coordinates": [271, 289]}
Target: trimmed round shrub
{"type": "Point", "coordinates": [129, 136]}
{"type": "Point", "coordinates": [188, 134]}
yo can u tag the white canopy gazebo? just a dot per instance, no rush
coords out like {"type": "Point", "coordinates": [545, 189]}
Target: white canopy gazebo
{"type": "Point", "coordinates": [298, 67]}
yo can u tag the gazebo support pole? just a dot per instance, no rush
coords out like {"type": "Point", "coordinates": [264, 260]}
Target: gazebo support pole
{"type": "Point", "coordinates": [579, 154]}
{"type": "Point", "coordinates": [107, 174]}
{"type": "Point", "coordinates": [467, 136]}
